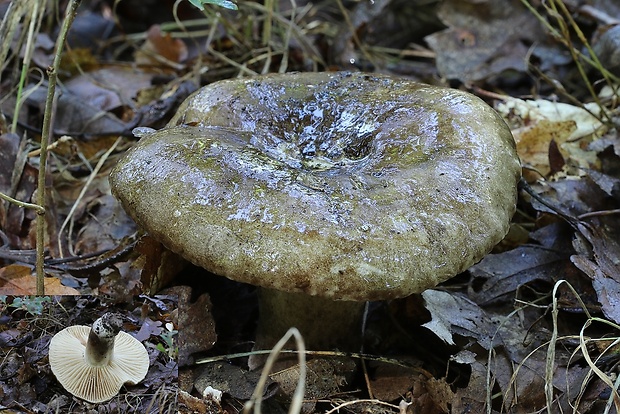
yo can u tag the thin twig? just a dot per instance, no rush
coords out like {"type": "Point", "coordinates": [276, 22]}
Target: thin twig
{"type": "Point", "coordinates": [361, 401]}
{"type": "Point", "coordinates": [23, 204]}
{"type": "Point", "coordinates": [52, 72]}
{"type": "Point", "coordinates": [599, 213]}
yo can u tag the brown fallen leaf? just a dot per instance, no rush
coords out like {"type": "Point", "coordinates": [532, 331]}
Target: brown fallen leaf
{"type": "Point", "coordinates": [390, 382]}
{"type": "Point", "coordinates": [431, 395]}
{"type": "Point", "coordinates": [533, 143]}
{"type": "Point", "coordinates": [77, 116]}
{"type": "Point", "coordinates": [455, 314]}
{"type": "Point", "coordinates": [552, 136]}
{"type": "Point", "coordinates": [324, 378]}
{"type": "Point", "coordinates": [158, 265]}
{"type": "Point", "coordinates": [603, 267]}
{"type": "Point", "coordinates": [483, 38]}
{"type": "Point", "coordinates": [9, 151]}
{"type": "Point", "coordinates": [162, 44]}
{"type": "Point", "coordinates": [597, 250]}
{"type": "Point", "coordinates": [19, 280]}
{"type": "Point", "coordinates": [85, 89]}
{"type": "Point", "coordinates": [473, 397]}
{"type": "Point", "coordinates": [498, 276]}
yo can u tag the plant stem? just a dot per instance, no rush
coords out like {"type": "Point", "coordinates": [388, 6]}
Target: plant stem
{"type": "Point", "coordinates": [33, 27]}
{"type": "Point", "coordinates": [52, 72]}
{"type": "Point", "coordinates": [22, 204]}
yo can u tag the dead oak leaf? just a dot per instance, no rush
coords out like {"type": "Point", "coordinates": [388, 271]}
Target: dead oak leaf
{"type": "Point", "coordinates": [391, 381]}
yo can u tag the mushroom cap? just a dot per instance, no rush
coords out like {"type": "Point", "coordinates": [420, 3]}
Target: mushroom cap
{"type": "Point", "coordinates": [346, 185]}
{"type": "Point", "coordinates": [129, 364]}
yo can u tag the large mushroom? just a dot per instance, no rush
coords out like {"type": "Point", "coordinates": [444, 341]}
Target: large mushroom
{"type": "Point", "coordinates": [325, 189]}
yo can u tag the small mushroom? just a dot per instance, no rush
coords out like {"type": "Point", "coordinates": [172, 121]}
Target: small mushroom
{"type": "Point", "coordinates": [93, 364]}
{"type": "Point", "coordinates": [326, 190]}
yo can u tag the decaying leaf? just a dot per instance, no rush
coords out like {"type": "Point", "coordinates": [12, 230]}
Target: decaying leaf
{"type": "Point", "coordinates": [455, 314]}
{"type": "Point", "coordinates": [535, 144]}
{"type": "Point", "coordinates": [390, 382]}
{"type": "Point", "coordinates": [161, 45]}
{"type": "Point", "coordinates": [19, 280]}
{"type": "Point", "coordinates": [500, 274]}
{"type": "Point", "coordinates": [76, 116]}
{"type": "Point", "coordinates": [105, 224]}
{"type": "Point", "coordinates": [158, 265]}
{"type": "Point", "coordinates": [526, 112]}
{"type": "Point", "coordinates": [431, 395]}
{"type": "Point", "coordinates": [603, 268]}
{"type": "Point", "coordinates": [473, 398]}
{"type": "Point", "coordinates": [597, 248]}
{"type": "Point", "coordinates": [9, 152]}
{"type": "Point", "coordinates": [324, 377]}
{"type": "Point", "coordinates": [483, 38]}
{"type": "Point", "coordinates": [86, 89]}
{"type": "Point", "coordinates": [539, 125]}
{"type": "Point", "coordinates": [607, 183]}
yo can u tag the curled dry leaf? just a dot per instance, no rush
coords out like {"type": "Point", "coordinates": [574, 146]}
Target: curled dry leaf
{"type": "Point", "coordinates": [603, 267]}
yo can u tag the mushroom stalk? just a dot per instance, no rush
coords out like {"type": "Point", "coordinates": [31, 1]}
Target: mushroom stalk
{"type": "Point", "coordinates": [323, 323]}
{"type": "Point", "coordinates": [100, 344]}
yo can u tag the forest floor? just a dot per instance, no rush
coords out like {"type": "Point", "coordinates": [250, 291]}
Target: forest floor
{"type": "Point", "coordinates": [533, 327]}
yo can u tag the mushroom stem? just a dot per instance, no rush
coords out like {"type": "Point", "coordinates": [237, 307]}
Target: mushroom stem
{"type": "Point", "coordinates": [323, 323]}
{"type": "Point", "coordinates": [100, 344]}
